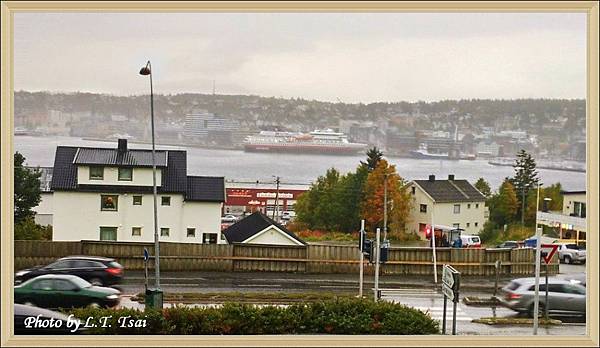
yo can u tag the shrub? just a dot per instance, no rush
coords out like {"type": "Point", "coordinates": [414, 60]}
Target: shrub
{"type": "Point", "coordinates": [339, 316]}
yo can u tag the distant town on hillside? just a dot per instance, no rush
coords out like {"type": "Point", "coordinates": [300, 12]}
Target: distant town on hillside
{"type": "Point", "coordinates": [548, 128]}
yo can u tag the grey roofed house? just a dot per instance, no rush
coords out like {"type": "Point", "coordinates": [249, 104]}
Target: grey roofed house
{"type": "Point", "coordinates": [172, 164]}
{"type": "Point", "coordinates": [254, 224]}
{"type": "Point", "coordinates": [451, 190]}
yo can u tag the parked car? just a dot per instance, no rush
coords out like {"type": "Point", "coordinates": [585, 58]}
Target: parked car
{"type": "Point", "coordinates": [510, 244]}
{"type": "Point", "coordinates": [470, 241]}
{"type": "Point", "coordinates": [570, 253]}
{"type": "Point", "coordinates": [229, 218]}
{"type": "Point", "coordinates": [22, 312]}
{"type": "Point", "coordinates": [564, 297]}
{"type": "Point", "coordinates": [64, 291]}
{"type": "Point", "coordinates": [99, 271]}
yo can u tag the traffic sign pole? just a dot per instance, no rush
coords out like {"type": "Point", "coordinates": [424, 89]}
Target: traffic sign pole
{"type": "Point", "coordinates": [444, 317]}
{"type": "Point", "coordinates": [362, 257]}
{"type": "Point", "coordinates": [146, 257]}
{"type": "Point", "coordinates": [377, 266]}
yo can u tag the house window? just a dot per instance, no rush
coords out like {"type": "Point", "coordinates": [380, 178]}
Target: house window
{"type": "Point", "coordinates": [109, 202]}
{"type": "Point", "coordinates": [96, 173]}
{"type": "Point", "coordinates": [136, 231]}
{"type": "Point", "coordinates": [476, 224]}
{"type": "Point", "coordinates": [468, 224]}
{"type": "Point", "coordinates": [457, 209]}
{"type": "Point", "coordinates": [191, 232]}
{"type": "Point", "coordinates": [137, 200]}
{"type": "Point", "coordinates": [476, 205]}
{"type": "Point", "coordinates": [468, 205]}
{"type": "Point", "coordinates": [164, 231]}
{"type": "Point", "coordinates": [166, 200]}
{"type": "Point", "coordinates": [457, 225]}
{"type": "Point", "coordinates": [210, 238]}
{"type": "Point", "coordinates": [414, 190]}
{"type": "Point", "coordinates": [108, 233]}
{"type": "Point", "coordinates": [423, 208]}
{"type": "Point", "coordinates": [125, 174]}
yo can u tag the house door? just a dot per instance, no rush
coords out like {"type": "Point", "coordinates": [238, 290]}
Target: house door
{"type": "Point", "coordinates": [108, 233]}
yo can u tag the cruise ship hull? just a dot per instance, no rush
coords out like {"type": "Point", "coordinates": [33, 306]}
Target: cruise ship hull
{"type": "Point", "coordinates": [305, 148]}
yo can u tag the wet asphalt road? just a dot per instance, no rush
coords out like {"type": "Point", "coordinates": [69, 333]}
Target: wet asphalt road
{"type": "Point", "coordinates": [417, 292]}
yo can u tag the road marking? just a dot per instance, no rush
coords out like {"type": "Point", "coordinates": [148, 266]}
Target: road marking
{"type": "Point", "coordinates": [260, 285]}
{"type": "Point", "coordinates": [182, 284]}
{"type": "Point", "coordinates": [338, 286]}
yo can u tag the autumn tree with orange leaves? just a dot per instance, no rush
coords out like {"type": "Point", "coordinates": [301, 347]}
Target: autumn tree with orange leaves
{"type": "Point", "coordinates": [398, 198]}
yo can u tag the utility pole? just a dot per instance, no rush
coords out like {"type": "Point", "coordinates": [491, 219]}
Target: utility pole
{"type": "Point", "coordinates": [276, 200]}
{"type": "Point", "coordinates": [523, 206]}
{"type": "Point", "coordinates": [377, 255]}
{"type": "Point", "coordinates": [538, 251]}
{"type": "Point", "coordinates": [361, 255]}
{"type": "Point", "coordinates": [433, 245]}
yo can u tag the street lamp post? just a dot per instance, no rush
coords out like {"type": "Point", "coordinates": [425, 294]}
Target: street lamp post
{"type": "Point", "coordinates": [147, 70]}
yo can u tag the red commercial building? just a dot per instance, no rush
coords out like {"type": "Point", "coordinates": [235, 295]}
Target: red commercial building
{"type": "Point", "coordinates": [247, 198]}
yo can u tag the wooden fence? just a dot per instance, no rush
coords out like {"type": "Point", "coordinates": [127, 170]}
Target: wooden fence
{"type": "Point", "coordinates": [275, 258]}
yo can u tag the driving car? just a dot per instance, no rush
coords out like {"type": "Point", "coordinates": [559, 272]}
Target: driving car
{"type": "Point", "coordinates": [570, 253]}
{"type": "Point", "coordinates": [24, 326]}
{"type": "Point", "coordinates": [100, 271]}
{"type": "Point", "coordinates": [64, 291]}
{"type": "Point", "coordinates": [564, 296]}
{"type": "Point", "coordinates": [509, 244]}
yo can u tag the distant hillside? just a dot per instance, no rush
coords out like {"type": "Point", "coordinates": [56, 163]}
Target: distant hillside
{"type": "Point", "coordinates": [532, 115]}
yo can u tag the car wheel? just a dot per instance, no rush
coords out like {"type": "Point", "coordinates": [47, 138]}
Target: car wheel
{"type": "Point", "coordinates": [540, 310]}
{"type": "Point", "coordinates": [567, 259]}
{"type": "Point", "coordinates": [96, 282]}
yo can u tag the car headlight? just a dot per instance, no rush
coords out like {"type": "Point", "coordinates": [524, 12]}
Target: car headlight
{"type": "Point", "coordinates": [112, 297]}
{"type": "Point", "coordinates": [21, 273]}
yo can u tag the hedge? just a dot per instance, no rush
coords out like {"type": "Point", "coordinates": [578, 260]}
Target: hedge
{"type": "Point", "coordinates": [339, 316]}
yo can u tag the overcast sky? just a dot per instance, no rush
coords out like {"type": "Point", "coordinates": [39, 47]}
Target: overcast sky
{"type": "Point", "coordinates": [329, 57]}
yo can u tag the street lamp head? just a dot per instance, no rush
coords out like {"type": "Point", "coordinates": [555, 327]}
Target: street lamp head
{"type": "Point", "coordinates": [146, 70]}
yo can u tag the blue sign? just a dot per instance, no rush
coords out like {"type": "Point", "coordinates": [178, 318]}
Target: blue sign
{"type": "Point", "coordinates": [146, 255]}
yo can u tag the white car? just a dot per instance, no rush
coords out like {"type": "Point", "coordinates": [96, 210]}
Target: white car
{"type": "Point", "coordinates": [570, 253]}
{"type": "Point", "coordinates": [229, 218]}
{"type": "Point", "coordinates": [470, 241]}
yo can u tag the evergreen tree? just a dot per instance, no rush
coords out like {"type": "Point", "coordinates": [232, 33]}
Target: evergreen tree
{"type": "Point", "coordinates": [374, 155]}
{"type": "Point", "coordinates": [27, 189]}
{"type": "Point", "coordinates": [483, 187]}
{"type": "Point", "coordinates": [526, 177]}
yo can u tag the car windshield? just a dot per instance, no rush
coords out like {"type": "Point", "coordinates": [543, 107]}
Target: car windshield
{"type": "Point", "coordinates": [573, 246]}
{"type": "Point", "coordinates": [475, 239]}
{"type": "Point", "coordinates": [81, 283]}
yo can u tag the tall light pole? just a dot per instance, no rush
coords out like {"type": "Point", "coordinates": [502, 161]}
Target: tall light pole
{"type": "Point", "coordinates": [147, 70]}
{"type": "Point", "coordinates": [276, 211]}
{"type": "Point", "coordinates": [385, 208]}
{"type": "Point", "coordinates": [538, 252]}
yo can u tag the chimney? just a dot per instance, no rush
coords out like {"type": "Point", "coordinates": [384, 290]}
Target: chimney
{"type": "Point", "coordinates": [432, 178]}
{"type": "Point", "coordinates": [451, 177]}
{"type": "Point", "coordinates": [122, 146]}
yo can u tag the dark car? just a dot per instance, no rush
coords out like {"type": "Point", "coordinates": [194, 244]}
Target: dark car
{"type": "Point", "coordinates": [509, 244]}
{"type": "Point", "coordinates": [31, 320]}
{"type": "Point", "coordinates": [64, 291]}
{"type": "Point", "coordinates": [99, 271]}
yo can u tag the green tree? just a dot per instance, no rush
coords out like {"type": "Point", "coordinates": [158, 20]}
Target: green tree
{"type": "Point", "coordinates": [526, 177]}
{"type": "Point", "coordinates": [29, 230]}
{"type": "Point", "coordinates": [374, 155]}
{"type": "Point", "coordinates": [504, 205]}
{"type": "Point", "coordinates": [483, 187]}
{"type": "Point", "coordinates": [27, 189]}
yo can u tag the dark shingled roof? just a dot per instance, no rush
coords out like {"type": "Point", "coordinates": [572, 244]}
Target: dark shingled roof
{"type": "Point", "coordinates": [443, 191]}
{"type": "Point", "coordinates": [205, 188]}
{"type": "Point", "coordinates": [174, 175]}
{"type": "Point", "coordinates": [251, 225]}
{"type": "Point", "coordinates": [112, 157]}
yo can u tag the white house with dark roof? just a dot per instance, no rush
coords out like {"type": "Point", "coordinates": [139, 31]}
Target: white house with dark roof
{"type": "Point", "coordinates": [258, 228]}
{"type": "Point", "coordinates": [106, 194]}
{"type": "Point", "coordinates": [448, 203]}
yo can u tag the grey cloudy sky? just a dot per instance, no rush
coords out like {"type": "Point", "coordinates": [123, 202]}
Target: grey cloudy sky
{"type": "Point", "coordinates": [354, 57]}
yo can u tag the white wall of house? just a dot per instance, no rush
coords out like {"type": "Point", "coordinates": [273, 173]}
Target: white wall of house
{"type": "Point", "coordinates": [141, 177]}
{"type": "Point", "coordinates": [272, 236]}
{"type": "Point", "coordinates": [471, 217]}
{"type": "Point", "coordinates": [569, 200]}
{"type": "Point", "coordinates": [78, 216]}
{"type": "Point", "coordinates": [44, 210]}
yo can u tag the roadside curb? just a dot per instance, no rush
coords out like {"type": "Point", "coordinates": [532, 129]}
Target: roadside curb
{"type": "Point", "coordinates": [515, 321]}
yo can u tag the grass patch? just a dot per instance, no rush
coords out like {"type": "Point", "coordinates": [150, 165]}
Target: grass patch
{"type": "Point", "coordinates": [248, 297]}
{"type": "Point", "coordinates": [516, 321]}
